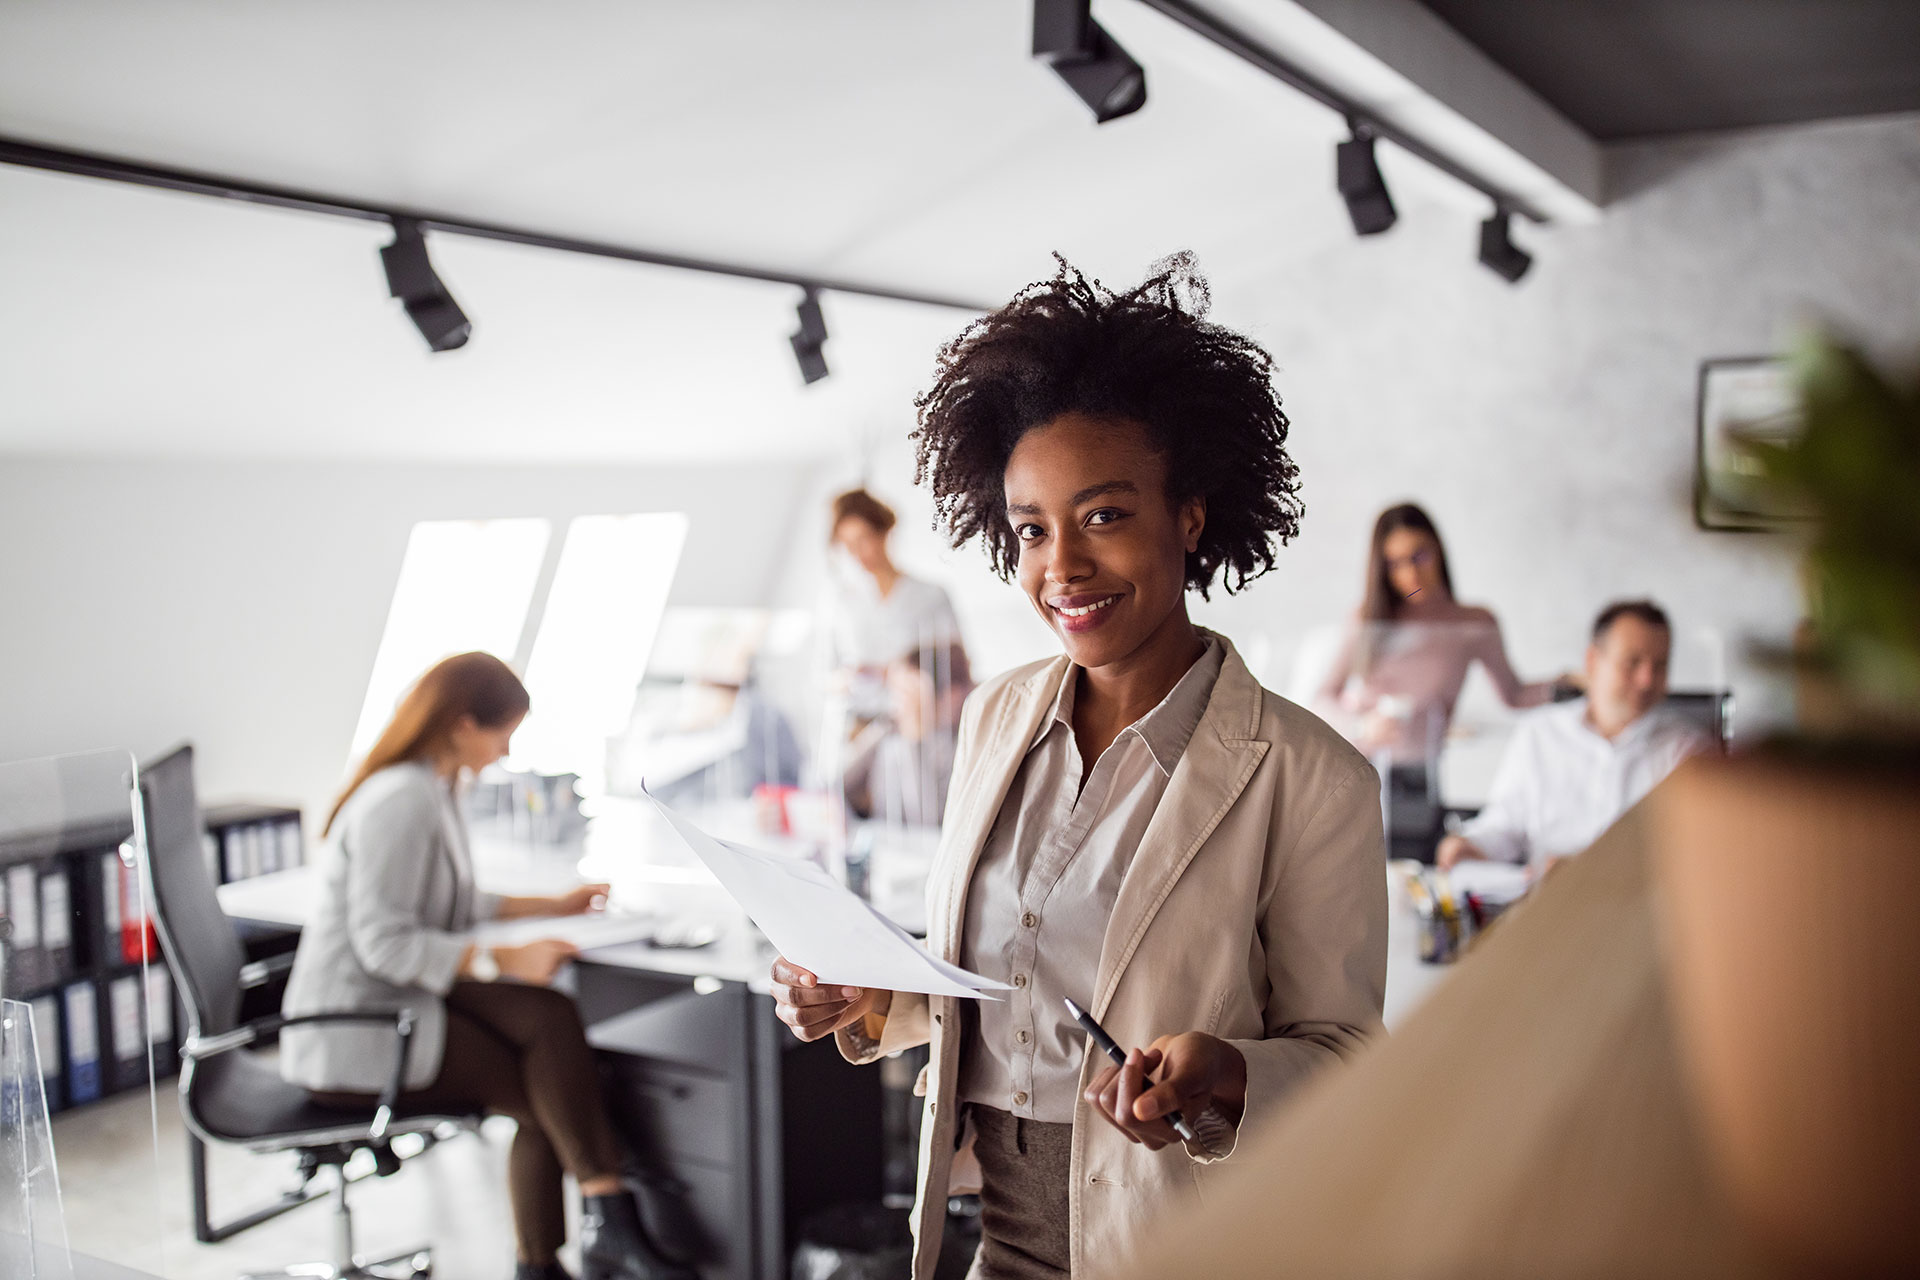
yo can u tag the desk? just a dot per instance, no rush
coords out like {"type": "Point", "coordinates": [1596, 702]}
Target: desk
{"type": "Point", "coordinates": [739, 1130]}
{"type": "Point", "coordinates": [705, 1082]}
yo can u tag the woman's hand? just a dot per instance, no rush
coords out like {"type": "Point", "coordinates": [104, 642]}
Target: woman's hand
{"type": "Point", "coordinates": [534, 963]}
{"type": "Point", "coordinates": [1195, 1071]}
{"type": "Point", "coordinates": [814, 1011]}
{"type": "Point", "coordinates": [588, 897]}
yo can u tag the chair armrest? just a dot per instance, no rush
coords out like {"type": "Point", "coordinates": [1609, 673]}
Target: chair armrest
{"type": "Point", "coordinates": [400, 1021]}
{"type": "Point", "coordinates": [259, 973]}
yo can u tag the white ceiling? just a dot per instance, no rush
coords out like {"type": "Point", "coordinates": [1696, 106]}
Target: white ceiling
{"type": "Point", "coordinates": [912, 144]}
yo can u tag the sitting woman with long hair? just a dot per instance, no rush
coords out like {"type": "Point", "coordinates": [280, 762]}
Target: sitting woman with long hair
{"type": "Point", "coordinates": [391, 929]}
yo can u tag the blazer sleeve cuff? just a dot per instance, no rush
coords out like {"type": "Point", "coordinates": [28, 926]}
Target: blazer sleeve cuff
{"type": "Point", "coordinates": [486, 906]}
{"type": "Point", "coordinates": [1275, 1069]}
{"type": "Point", "coordinates": [908, 1024]}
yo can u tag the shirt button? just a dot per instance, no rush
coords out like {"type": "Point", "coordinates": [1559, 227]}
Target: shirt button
{"type": "Point", "coordinates": [1021, 1036]}
{"type": "Point", "coordinates": [1020, 1099]}
{"type": "Point", "coordinates": [1019, 979]}
{"type": "Point", "coordinates": [1029, 919]}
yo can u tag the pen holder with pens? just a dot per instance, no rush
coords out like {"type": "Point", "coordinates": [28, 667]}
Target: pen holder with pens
{"type": "Point", "coordinates": [1443, 936]}
{"type": "Point", "coordinates": [1448, 921]}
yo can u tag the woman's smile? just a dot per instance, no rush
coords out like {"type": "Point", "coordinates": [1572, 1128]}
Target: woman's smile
{"type": "Point", "coordinates": [1083, 611]}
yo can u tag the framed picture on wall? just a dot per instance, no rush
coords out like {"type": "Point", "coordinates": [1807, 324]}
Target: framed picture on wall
{"type": "Point", "coordinates": [1748, 397]}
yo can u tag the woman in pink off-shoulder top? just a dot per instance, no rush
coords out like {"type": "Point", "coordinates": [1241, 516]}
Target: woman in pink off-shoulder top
{"type": "Point", "coordinates": [1399, 671]}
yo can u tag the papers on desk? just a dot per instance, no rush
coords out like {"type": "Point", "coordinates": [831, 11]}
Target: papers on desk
{"type": "Point", "coordinates": [819, 925]}
{"type": "Point", "coordinates": [597, 929]}
{"type": "Point", "coordinates": [1498, 883]}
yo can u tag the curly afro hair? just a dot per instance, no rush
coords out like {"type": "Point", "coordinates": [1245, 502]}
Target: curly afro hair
{"type": "Point", "coordinates": [1146, 356]}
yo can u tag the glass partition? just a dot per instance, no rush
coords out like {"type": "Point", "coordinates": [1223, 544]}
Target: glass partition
{"type": "Point", "coordinates": [33, 1229]}
{"type": "Point", "coordinates": [89, 1131]}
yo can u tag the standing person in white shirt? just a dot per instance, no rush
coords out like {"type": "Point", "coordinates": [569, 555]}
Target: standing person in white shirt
{"type": "Point", "coordinates": [1573, 768]}
{"type": "Point", "coordinates": [881, 614]}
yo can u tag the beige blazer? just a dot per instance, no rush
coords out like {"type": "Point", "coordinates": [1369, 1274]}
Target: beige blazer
{"type": "Point", "coordinates": [1255, 909]}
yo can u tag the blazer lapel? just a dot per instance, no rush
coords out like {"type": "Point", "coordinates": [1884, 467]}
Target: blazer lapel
{"type": "Point", "coordinates": [1219, 761]}
{"type": "Point", "coordinates": [1014, 721]}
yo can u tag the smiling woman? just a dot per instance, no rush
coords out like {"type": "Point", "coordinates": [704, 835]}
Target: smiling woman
{"type": "Point", "coordinates": [1136, 825]}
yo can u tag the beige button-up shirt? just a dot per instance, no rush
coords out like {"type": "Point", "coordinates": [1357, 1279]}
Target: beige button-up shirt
{"type": "Point", "coordinates": [1045, 886]}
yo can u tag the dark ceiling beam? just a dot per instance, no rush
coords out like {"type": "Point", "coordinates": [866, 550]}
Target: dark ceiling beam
{"type": "Point", "coordinates": [87, 164]}
{"type": "Point", "coordinates": [1196, 18]}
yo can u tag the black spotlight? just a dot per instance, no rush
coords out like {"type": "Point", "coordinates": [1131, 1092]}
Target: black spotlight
{"type": "Point", "coordinates": [412, 279]}
{"type": "Point", "coordinates": [1361, 185]}
{"type": "Point", "coordinates": [1080, 51]}
{"type": "Point", "coordinates": [1497, 249]}
{"type": "Point", "coordinates": [811, 338]}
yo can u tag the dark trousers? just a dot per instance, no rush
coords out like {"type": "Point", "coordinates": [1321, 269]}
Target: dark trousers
{"type": "Point", "coordinates": [1024, 1169]}
{"type": "Point", "coordinates": [521, 1051]}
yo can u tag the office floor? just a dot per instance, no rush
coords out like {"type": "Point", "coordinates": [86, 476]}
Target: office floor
{"type": "Point", "coordinates": [126, 1199]}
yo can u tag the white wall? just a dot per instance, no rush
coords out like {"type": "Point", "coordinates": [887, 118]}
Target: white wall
{"type": "Point", "coordinates": [239, 604]}
{"type": "Point", "coordinates": [1549, 426]}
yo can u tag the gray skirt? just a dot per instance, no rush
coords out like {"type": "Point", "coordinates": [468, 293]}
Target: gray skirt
{"type": "Point", "coordinates": [1024, 1169]}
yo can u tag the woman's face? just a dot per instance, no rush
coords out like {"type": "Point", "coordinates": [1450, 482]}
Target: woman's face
{"type": "Point", "coordinates": [1103, 554]}
{"type": "Point", "coordinates": [1413, 565]}
{"type": "Point", "coordinates": [866, 544]}
{"type": "Point", "coordinates": [475, 746]}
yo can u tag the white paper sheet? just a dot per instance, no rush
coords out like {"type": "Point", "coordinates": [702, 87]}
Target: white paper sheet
{"type": "Point", "coordinates": [818, 924]}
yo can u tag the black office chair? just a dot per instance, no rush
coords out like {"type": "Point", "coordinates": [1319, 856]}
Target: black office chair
{"type": "Point", "coordinates": [1710, 709]}
{"type": "Point", "coordinates": [231, 1096]}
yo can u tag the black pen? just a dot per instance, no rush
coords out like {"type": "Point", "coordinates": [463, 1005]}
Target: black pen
{"type": "Point", "coordinates": [1119, 1055]}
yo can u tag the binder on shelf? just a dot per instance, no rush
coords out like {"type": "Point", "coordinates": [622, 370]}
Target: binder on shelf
{"type": "Point", "coordinates": [125, 1049]}
{"type": "Point", "coordinates": [160, 1020]}
{"type": "Point", "coordinates": [136, 926]}
{"type": "Point", "coordinates": [46, 1044]}
{"type": "Point", "coordinates": [293, 851]}
{"type": "Point", "coordinates": [28, 969]}
{"type": "Point", "coordinates": [82, 1017]}
{"type": "Point", "coordinates": [103, 937]}
{"type": "Point", "coordinates": [56, 920]}
{"type": "Point", "coordinates": [210, 853]}
{"type": "Point", "coordinates": [233, 862]}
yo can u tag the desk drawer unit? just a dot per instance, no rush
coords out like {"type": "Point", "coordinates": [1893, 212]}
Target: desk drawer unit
{"type": "Point", "coordinates": [673, 1113]}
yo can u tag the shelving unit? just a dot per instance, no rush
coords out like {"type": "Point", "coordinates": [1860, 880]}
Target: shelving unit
{"type": "Point", "coordinates": [77, 947]}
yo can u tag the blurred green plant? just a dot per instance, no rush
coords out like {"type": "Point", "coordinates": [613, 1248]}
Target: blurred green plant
{"type": "Point", "coordinates": [1855, 467]}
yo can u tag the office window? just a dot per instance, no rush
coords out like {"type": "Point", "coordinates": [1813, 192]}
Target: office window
{"type": "Point", "coordinates": [464, 584]}
{"type": "Point", "coordinates": [594, 638]}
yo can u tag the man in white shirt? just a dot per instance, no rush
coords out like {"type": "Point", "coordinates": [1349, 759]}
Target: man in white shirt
{"type": "Point", "coordinates": [1573, 768]}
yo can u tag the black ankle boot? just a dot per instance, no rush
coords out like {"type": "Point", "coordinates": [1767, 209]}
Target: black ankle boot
{"type": "Point", "coordinates": [540, 1271]}
{"type": "Point", "coordinates": [614, 1246]}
